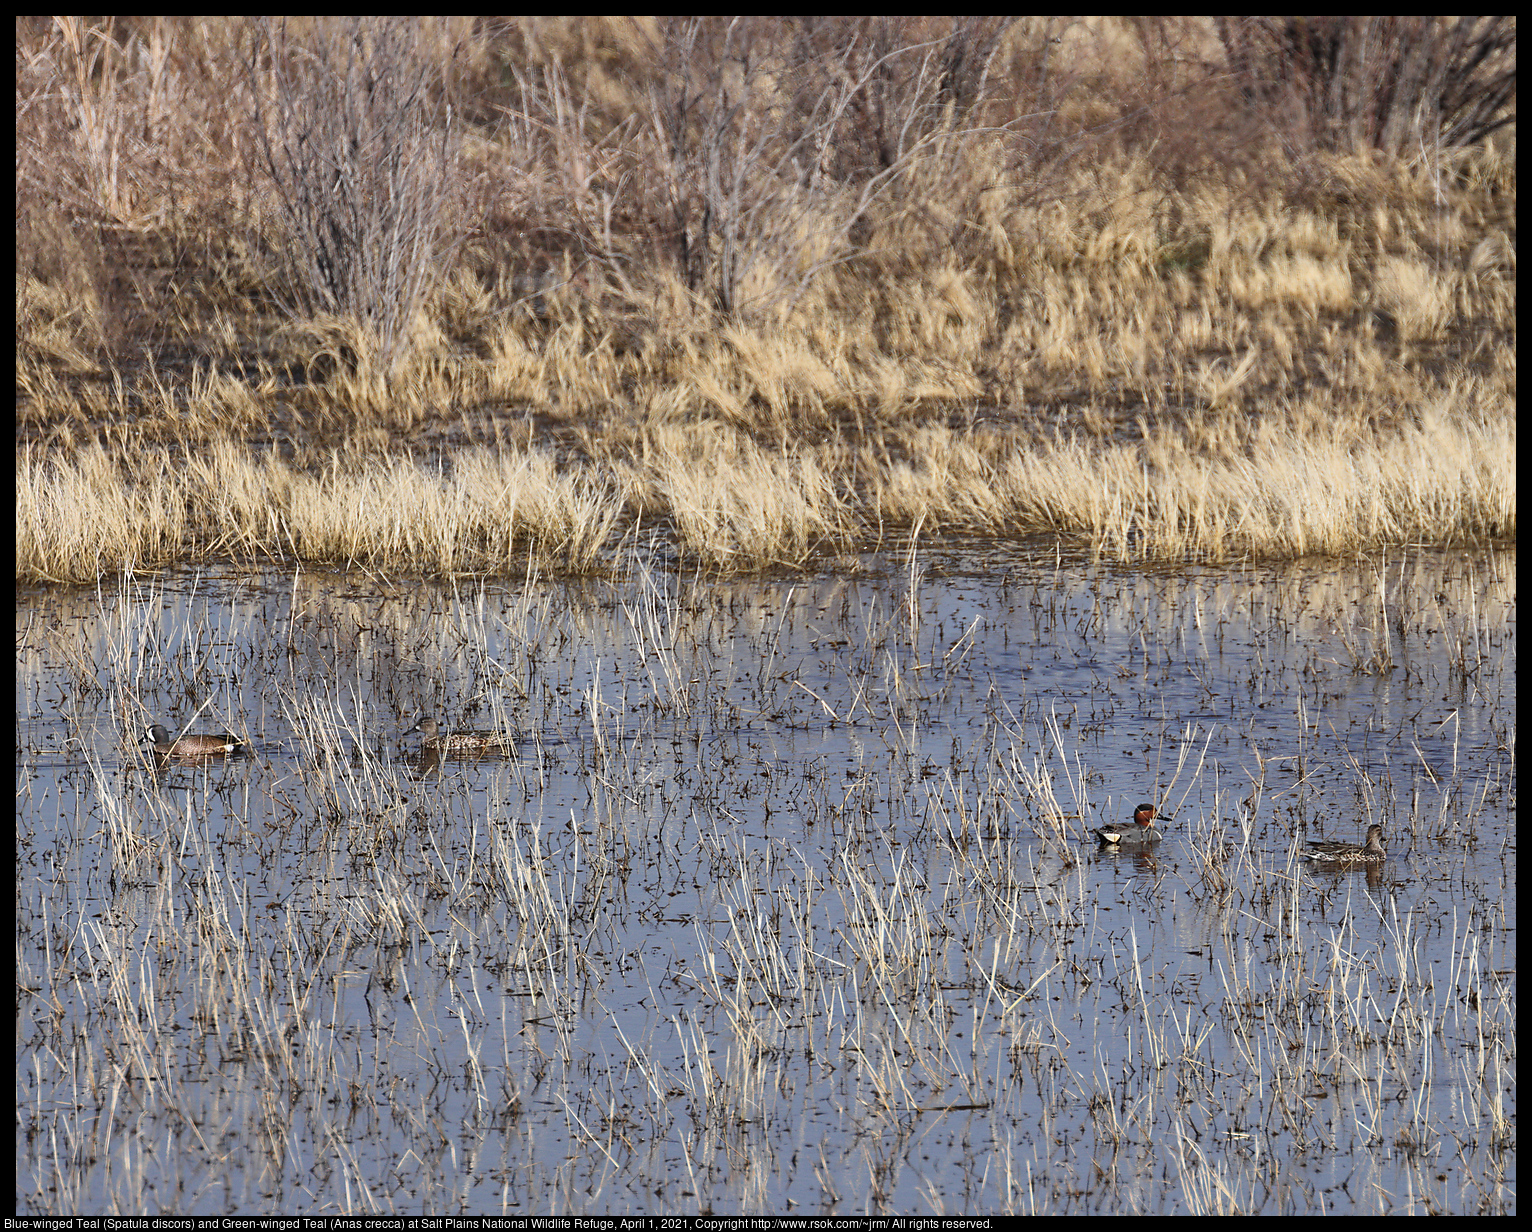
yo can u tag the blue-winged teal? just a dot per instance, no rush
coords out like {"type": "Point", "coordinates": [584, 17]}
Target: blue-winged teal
{"type": "Point", "coordinates": [461, 741]}
{"type": "Point", "coordinates": [192, 745]}
{"type": "Point", "coordinates": [1349, 853]}
{"type": "Point", "coordinates": [1140, 832]}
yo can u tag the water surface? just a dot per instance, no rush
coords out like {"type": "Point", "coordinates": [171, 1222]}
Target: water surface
{"type": "Point", "coordinates": [786, 899]}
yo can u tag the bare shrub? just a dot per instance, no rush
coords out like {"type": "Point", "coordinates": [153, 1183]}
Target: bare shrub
{"type": "Point", "coordinates": [1399, 84]}
{"type": "Point", "coordinates": [751, 155]}
{"type": "Point", "coordinates": [767, 145]}
{"type": "Point", "coordinates": [357, 143]}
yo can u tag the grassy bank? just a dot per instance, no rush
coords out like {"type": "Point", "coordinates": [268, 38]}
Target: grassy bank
{"type": "Point", "coordinates": [437, 297]}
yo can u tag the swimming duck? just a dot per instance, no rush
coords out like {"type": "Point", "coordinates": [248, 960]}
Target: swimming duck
{"type": "Point", "coordinates": [1348, 853]}
{"type": "Point", "coordinates": [1140, 832]}
{"type": "Point", "coordinates": [462, 741]}
{"type": "Point", "coordinates": [198, 745]}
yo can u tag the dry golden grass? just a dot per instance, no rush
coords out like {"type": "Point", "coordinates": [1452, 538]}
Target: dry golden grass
{"type": "Point", "coordinates": [1294, 485]}
{"type": "Point", "coordinates": [1166, 335]}
{"type": "Point", "coordinates": [496, 513]}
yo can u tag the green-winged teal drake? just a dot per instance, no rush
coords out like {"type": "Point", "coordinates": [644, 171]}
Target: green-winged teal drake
{"type": "Point", "coordinates": [1349, 853]}
{"type": "Point", "coordinates": [192, 745]}
{"type": "Point", "coordinates": [460, 741]}
{"type": "Point", "coordinates": [1140, 832]}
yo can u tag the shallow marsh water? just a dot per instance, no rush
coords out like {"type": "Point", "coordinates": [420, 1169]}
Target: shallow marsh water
{"type": "Point", "coordinates": [786, 898]}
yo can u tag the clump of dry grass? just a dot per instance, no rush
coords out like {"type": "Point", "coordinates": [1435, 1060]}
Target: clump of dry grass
{"type": "Point", "coordinates": [493, 513]}
{"type": "Point", "coordinates": [735, 506]}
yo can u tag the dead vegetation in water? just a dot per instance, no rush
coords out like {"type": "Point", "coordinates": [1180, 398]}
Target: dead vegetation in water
{"type": "Point", "coordinates": [770, 286]}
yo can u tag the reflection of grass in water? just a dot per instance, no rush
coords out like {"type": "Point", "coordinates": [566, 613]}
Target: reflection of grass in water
{"type": "Point", "coordinates": [922, 957]}
{"type": "Point", "coordinates": [771, 289]}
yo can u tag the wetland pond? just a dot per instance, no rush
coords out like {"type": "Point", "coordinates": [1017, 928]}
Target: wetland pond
{"type": "Point", "coordinates": [785, 899]}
